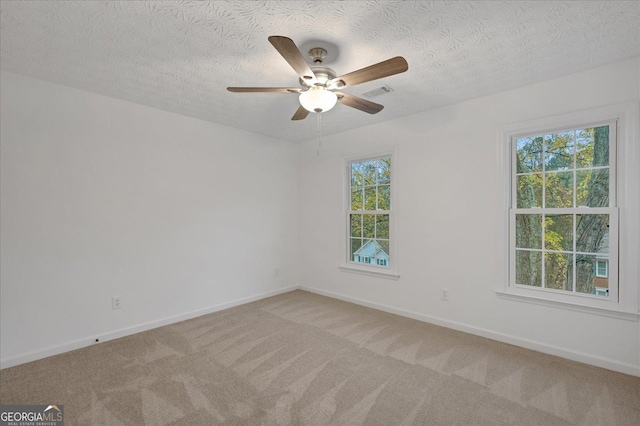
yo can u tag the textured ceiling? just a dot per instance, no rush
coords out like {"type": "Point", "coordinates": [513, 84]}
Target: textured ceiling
{"type": "Point", "coordinates": [181, 56]}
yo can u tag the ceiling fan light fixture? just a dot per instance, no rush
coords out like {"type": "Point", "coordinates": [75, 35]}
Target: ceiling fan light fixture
{"type": "Point", "coordinates": [318, 99]}
{"type": "Point", "coordinates": [318, 82]}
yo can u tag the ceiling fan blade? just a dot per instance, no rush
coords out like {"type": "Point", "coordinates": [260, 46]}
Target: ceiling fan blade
{"type": "Point", "coordinates": [263, 89]}
{"type": "Point", "coordinates": [292, 55]}
{"type": "Point", "coordinates": [300, 114]}
{"type": "Point", "coordinates": [373, 72]}
{"type": "Point", "coordinates": [359, 103]}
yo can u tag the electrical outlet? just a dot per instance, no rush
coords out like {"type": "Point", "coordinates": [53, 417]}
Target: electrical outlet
{"type": "Point", "coordinates": [444, 294]}
{"type": "Point", "coordinates": [116, 302]}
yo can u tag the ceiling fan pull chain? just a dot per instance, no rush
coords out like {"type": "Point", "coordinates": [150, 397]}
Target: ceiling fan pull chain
{"type": "Point", "coordinates": [319, 118]}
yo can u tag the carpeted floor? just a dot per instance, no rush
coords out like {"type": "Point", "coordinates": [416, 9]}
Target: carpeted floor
{"type": "Point", "coordinates": [304, 359]}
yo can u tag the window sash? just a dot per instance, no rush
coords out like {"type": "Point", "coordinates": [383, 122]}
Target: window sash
{"type": "Point", "coordinates": [612, 160]}
{"type": "Point", "coordinates": [613, 253]}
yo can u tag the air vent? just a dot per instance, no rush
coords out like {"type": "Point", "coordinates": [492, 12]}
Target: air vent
{"type": "Point", "coordinates": [378, 92]}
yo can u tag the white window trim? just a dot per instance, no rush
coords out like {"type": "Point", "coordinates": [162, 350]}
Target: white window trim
{"type": "Point", "coordinates": [393, 270]}
{"type": "Point", "coordinates": [626, 304]}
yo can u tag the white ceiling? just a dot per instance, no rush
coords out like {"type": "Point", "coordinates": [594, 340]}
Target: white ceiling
{"type": "Point", "coordinates": [181, 56]}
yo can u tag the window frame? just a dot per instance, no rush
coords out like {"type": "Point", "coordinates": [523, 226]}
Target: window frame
{"type": "Point", "coordinates": [372, 269]}
{"type": "Point", "coordinates": [611, 210]}
{"type": "Point", "coordinates": [622, 301]}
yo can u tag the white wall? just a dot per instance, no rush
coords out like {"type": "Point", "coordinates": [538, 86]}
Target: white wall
{"type": "Point", "coordinates": [449, 198]}
{"type": "Point", "coordinates": [102, 198]}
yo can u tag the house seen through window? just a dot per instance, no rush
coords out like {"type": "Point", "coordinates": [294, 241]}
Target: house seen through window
{"type": "Point", "coordinates": [369, 212]}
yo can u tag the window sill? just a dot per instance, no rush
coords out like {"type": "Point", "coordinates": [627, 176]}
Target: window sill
{"type": "Point", "coordinates": [597, 310]}
{"type": "Point", "coordinates": [381, 273]}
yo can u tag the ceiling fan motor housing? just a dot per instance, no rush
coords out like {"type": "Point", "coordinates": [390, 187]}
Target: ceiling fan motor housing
{"type": "Point", "coordinates": [323, 75]}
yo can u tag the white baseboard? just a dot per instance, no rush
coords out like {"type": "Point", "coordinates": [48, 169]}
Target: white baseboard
{"type": "Point", "coordinates": [88, 341]}
{"type": "Point", "coordinates": [493, 335]}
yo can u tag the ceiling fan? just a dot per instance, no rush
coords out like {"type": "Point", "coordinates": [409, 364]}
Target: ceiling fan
{"type": "Point", "coordinates": [319, 84]}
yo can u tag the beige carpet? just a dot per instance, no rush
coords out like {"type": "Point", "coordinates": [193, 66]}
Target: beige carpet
{"type": "Point", "coordinates": [304, 359]}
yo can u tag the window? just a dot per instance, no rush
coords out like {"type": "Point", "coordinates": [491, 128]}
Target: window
{"type": "Point", "coordinates": [370, 215]}
{"type": "Point", "coordinates": [370, 205]}
{"type": "Point", "coordinates": [602, 269]}
{"type": "Point", "coordinates": [563, 208]}
{"type": "Point", "coordinates": [570, 228]}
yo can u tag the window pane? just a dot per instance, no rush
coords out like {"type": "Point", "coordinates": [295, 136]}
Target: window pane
{"type": "Point", "coordinates": [355, 244]}
{"type": "Point", "coordinates": [529, 268]}
{"type": "Point", "coordinates": [356, 225]}
{"type": "Point", "coordinates": [558, 232]}
{"type": "Point", "coordinates": [382, 226]}
{"type": "Point", "coordinates": [529, 231]}
{"type": "Point", "coordinates": [368, 226]}
{"type": "Point", "coordinates": [357, 199]}
{"type": "Point", "coordinates": [592, 233]}
{"type": "Point", "coordinates": [384, 171]}
{"type": "Point", "coordinates": [381, 253]}
{"type": "Point", "coordinates": [558, 151]}
{"type": "Point", "coordinates": [558, 271]}
{"type": "Point", "coordinates": [592, 147]}
{"type": "Point", "coordinates": [370, 198]}
{"type": "Point", "coordinates": [559, 190]}
{"type": "Point", "coordinates": [529, 191]}
{"type": "Point", "coordinates": [384, 197]}
{"type": "Point", "coordinates": [369, 172]}
{"type": "Point", "coordinates": [592, 188]}
{"type": "Point", "coordinates": [586, 280]}
{"type": "Point", "coordinates": [529, 155]}
{"type": "Point", "coordinates": [357, 177]}
{"type": "Point", "coordinates": [384, 244]}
